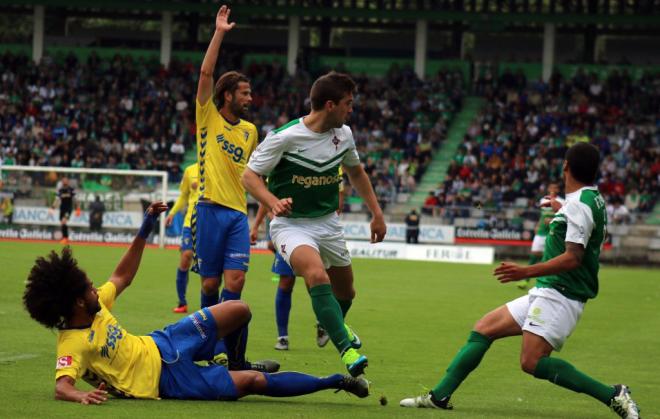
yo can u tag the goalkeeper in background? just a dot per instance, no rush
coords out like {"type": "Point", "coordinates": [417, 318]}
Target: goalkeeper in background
{"type": "Point", "coordinates": [187, 199]}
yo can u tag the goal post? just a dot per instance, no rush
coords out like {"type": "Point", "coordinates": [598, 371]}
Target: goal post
{"type": "Point", "coordinates": [35, 185]}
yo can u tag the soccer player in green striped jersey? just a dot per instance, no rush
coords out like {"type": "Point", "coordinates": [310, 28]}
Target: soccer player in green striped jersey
{"type": "Point", "coordinates": [301, 160]}
{"type": "Point", "coordinates": [546, 316]}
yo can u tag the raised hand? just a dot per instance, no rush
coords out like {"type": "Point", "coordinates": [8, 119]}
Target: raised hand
{"type": "Point", "coordinates": [156, 208]}
{"type": "Point", "coordinates": [222, 20]}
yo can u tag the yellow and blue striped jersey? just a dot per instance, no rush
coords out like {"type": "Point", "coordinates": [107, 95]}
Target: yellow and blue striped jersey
{"type": "Point", "coordinates": [105, 352]}
{"type": "Point", "coordinates": [189, 188]}
{"type": "Point", "coordinates": [223, 150]}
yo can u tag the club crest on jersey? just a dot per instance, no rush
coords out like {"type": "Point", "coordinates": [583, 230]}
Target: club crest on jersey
{"type": "Point", "coordinates": [63, 362]}
{"type": "Point", "coordinates": [336, 142]}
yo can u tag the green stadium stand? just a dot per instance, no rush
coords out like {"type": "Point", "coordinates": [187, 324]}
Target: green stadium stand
{"type": "Point", "coordinates": [437, 170]}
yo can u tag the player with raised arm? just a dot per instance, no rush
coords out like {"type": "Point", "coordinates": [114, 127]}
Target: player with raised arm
{"type": "Point", "coordinates": [301, 160]}
{"type": "Point", "coordinates": [547, 315]}
{"type": "Point", "coordinates": [93, 346]}
{"type": "Point", "coordinates": [225, 141]}
{"type": "Point", "coordinates": [187, 199]}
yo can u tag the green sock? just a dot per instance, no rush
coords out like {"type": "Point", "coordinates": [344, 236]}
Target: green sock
{"type": "Point", "coordinates": [328, 312]}
{"type": "Point", "coordinates": [345, 306]}
{"type": "Point", "coordinates": [467, 359]}
{"type": "Point", "coordinates": [563, 374]}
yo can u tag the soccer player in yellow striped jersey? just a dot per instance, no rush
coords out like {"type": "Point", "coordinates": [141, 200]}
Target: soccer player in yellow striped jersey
{"type": "Point", "coordinates": [225, 142]}
{"type": "Point", "coordinates": [92, 345]}
{"type": "Point", "coordinates": [189, 188]}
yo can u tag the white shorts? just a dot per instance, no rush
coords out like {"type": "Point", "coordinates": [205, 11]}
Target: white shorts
{"type": "Point", "coordinates": [538, 245]}
{"type": "Point", "coordinates": [547, 313]}
{"type": "Point", "coordinates": [324, 234]}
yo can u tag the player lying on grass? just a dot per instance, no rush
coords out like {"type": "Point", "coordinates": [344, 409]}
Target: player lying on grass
{"type": "Point", "coordinates": [93, 346]}
{"type": "Point", "coordinates": [547, 315]}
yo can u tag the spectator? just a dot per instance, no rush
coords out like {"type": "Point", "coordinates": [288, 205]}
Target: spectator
{"type": "Point", "coordinates": [430, 204]}
{"type": "Point", "coordinates": [96, 211]}
{"type": "Point", "coordinates": [617, 213]}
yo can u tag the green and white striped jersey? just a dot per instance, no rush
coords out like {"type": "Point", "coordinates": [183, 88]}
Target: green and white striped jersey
{"type": "Point", "coordinates": [304, 165]}
{"type": "Point", "coordinates": [583, 220]}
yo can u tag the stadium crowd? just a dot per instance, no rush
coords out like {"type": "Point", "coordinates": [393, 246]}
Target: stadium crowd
{"type": "Point", "coordinates": [515, 146]}
{"type": "Point", "coordinates": [129, 113]}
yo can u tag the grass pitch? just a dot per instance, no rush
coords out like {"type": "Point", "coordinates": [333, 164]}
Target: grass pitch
{"type": "Point", "coordinates": [411, 316]}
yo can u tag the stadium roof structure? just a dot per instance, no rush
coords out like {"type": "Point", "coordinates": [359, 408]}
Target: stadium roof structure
{"type": "Point", "coordinates": [638, 14]}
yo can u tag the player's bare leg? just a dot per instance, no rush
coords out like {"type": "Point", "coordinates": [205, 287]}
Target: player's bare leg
{"type": "Point", "coordinates": [234, 282]}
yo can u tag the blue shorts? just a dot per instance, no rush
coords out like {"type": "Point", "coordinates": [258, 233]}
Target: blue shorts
{"type": "Point", "coordinates": [221, 239]}
{"type": "Point", "coordinates": [186, 239]}
{"type": "Point", "coordinates": [280, 266]}
{"type": "Point", "coordinates": [191, 339]}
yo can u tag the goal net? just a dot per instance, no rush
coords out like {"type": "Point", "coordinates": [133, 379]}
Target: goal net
{"type": "Point", "coordinates": [108, 204]}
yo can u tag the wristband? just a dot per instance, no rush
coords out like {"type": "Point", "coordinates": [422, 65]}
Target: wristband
{"type": "Point", "coordinates": [147, 224]}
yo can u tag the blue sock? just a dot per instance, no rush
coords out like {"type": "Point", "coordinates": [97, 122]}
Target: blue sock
{"type": "Point", "coordinates": [209, 300]}
{"type": "Point", "coordinates": [181, 285]}
{"type": "Point", "coordinates": [282, 310]}
{"type": "Point", "coordinates": [236, 343]}
{"type": "Point", "coordinates": [286, 384]}
{"type": "Point", "coordinates": [227, 295]}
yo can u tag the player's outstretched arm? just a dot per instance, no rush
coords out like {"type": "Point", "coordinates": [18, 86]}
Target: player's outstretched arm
{"type": "Point", "coordinates": [180, 202]}
{"type": "Point", "coordinates": [129, 263]}
{"type": "Point", "coordinates": [567, 261]}
{"type": "Point", "coordinates": [361, 183]}
{"type": "Point", "coordinates": [65, 389]}
{"type": "Point", "coordinates": [255, 186]}
{"type": "Point", "coordinates": [205, 84]}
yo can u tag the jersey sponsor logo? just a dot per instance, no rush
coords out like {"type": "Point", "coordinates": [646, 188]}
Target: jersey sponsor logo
{"type": "Point", "coordinates": [198, 326]}
{"type": "Point", "coordinates": [115, 334]}
{"type": "Point", "coordinates": [235, 152]}
{"type": "Point", "coordinates": [239, 255]}
{"type": "Point", "coordinates": [202, 314]}
{"type": "Point", "coordinates": [309, 181]}
{"type": "Point", "coordinates": [63, 362]}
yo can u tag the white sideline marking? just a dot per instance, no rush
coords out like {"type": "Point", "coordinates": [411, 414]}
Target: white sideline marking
{"type": "Point", "coordinates": [20, 357]}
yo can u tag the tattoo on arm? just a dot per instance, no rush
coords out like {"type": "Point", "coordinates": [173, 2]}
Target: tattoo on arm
{"type": "Point", "coordinates": [576, 250]}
